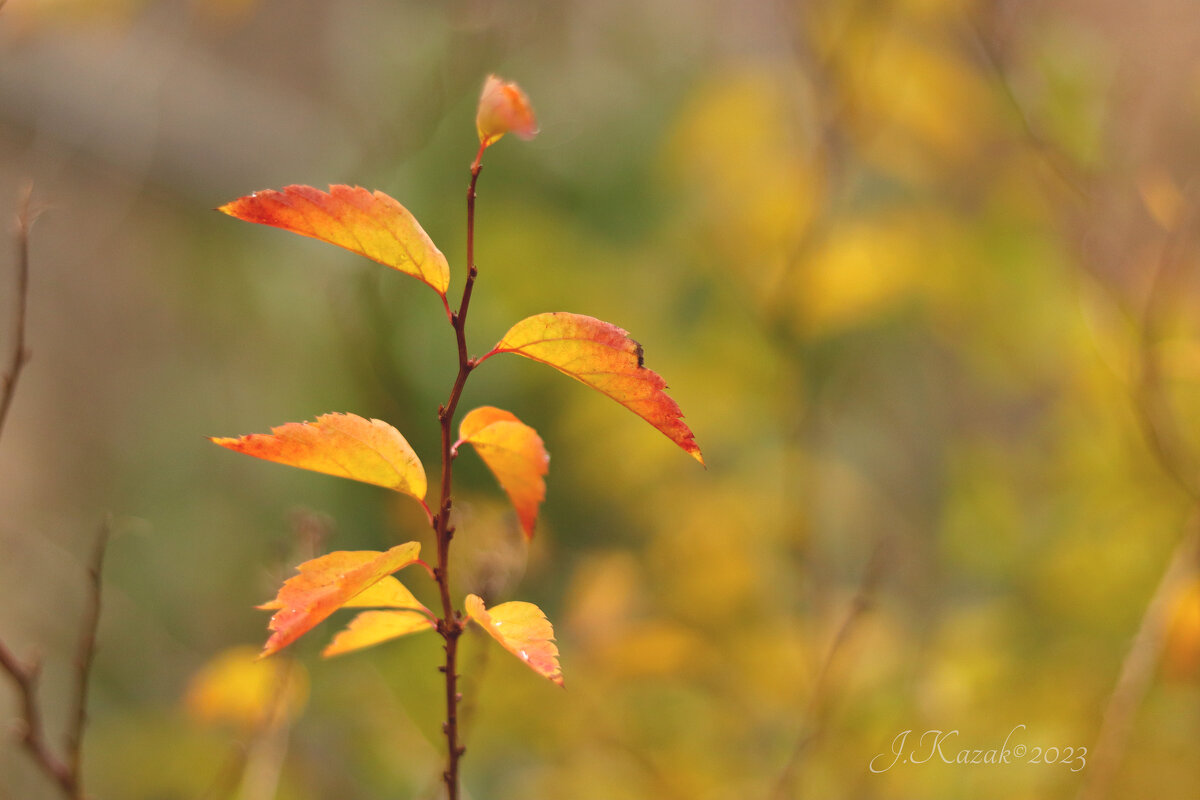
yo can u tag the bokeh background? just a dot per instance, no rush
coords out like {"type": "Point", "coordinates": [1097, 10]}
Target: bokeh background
{"type": "Point", "coordinates": [921, 274]}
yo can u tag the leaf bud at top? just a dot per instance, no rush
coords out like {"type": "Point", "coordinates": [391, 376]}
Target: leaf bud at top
{"type": "Point", "coordinates": [503, 107]}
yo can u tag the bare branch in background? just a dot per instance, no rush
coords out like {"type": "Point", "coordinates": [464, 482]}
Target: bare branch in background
{"type": "Point", "coordinates": [65, 772]}
{"type": "Point", "coordinates": [87, 652]}
{"type": "Point", "coordinates": [1161, 430]}
{"type": "Point", "coordinates": [821, 699]}
{"type": "Point", "coordinates": [1159, 427]}
{"type": "Point", "coordinates": [20, 353]}
{"type": "Point", "coordinates": [1137, 670]}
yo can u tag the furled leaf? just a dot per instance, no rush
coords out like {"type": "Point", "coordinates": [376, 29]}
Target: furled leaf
{"type": "Point", "coordinates": [372, 627]}
{"type": "Point", "coordinates": [345, 445]}
{"type": "Point", "coordinates": [523, 630]}
{"type": "Point", "coordinates": [503, 107]}
{"type": "Point", "coordinates": [514, 453]}
{"type": "Point", "coordinates": [601, 355]}
{"type": "Point", "coordinates": [326, 584]}
{"type": "Point", "coordinates": [368, 223]}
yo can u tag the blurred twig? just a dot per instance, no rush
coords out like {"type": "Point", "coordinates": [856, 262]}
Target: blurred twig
{"type": "Point", "coordinates": [1160, 428]}
{"type": "Point", "coordinates": [817, 712]}
{"type": "Point", "coordinates": [87, 653]}
{"type": "Point", "coordinates": [1151, 405]}
{"type": "Point", "coordinates": [1137, 670]}
{"type": "Point", "coordinates": [20, 353]}
{"type": "Point", "coordinates": [65, 772]}
{"type": "Point", "coordinates": [1051, 155]}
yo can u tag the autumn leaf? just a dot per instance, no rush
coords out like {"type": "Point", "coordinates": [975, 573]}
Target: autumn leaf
{"type": "Point", "coordinates": [326, 584]}
{"type": "Point", "coordinates": [388, 592]}
{"type": "Point", "coordinates": [371, 224]}
{"type": "Point", "coordinates": [523, 630]}
{"type": "Point", "coordinates": [503, 107]}
{"type": "Point", "coordinates": [373, 627]}
{"type": "Point", "coordinates": [405, 615]}
{"type": "Point", "coordinates": [600, 355]}
{"type": "Point", "coordinates": [514, 453]}
{"type": "Point", "coordinates": [345, 445]}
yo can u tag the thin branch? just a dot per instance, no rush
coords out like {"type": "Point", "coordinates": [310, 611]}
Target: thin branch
{"type": "Point", "coordinates": [1051, 155]}
{"type": "Point", "coordinates": [25, 676]}
{"type": "Point", "coordinates": [450, 626]}
{"type": "Point", "coordinates": [1138, 668]}
{"type": "Point", "coordinates": [1160, 428]}
{"type": "Point", "coordinates": [820, 699]}
{"type": "Point", "coordinates": [20, 353]}
{"type": "Point", "coordinates": [1151, 405]}
{"type": "Point", "coordinates": [66, 773]}
{"type": "Point", "coordinates": [87, 653]}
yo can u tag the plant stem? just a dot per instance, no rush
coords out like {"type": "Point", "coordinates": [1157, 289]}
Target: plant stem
{"type": "Point", "coordinates": [450, 626]}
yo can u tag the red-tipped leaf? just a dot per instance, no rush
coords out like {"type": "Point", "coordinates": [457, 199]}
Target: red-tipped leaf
{"type": "Point", "coordinates": [345, 445]}
{"type": "Point", "coordinates": [371, 224]}
{"type": "Point", "coordinates": [604, 357]}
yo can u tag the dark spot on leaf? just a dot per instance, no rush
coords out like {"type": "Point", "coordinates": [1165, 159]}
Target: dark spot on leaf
{"type": "Point", "coordinates": [640, 353]}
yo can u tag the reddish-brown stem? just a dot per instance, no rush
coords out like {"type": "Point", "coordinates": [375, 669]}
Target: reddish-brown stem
{"type": "Point", "coordinates": [450, 626]}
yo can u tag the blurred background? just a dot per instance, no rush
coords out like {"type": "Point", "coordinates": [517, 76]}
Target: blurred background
{"type": "Point", "coordinates": [921, 273]}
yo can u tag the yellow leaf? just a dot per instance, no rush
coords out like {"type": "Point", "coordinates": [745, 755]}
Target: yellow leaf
{"type": "Point", "coordinates": [523, 630]}
{"type": "Point", "coordinates": [370, 224]}
{"type": "Point", "coordinates": [372, 627]}
{"type": "Point", "coordinates": [345, 445]}
{"type": "Point", "coordinates": [514, 453]}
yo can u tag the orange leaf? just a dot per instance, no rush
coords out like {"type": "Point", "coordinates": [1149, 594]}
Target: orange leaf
{"type": "Point", "coordinates": [370, 224]}
{"type": "Point", "coordinates": [326, 584]}
{"type": "Point", "coordinates": [503, 107]}
{"type": "Point", "coordinates": [373, 627]}
{"type": "Point", "coordinates": [345, 445]}
{"type": "Point", "coordinates": [523, 630]}
{"type": "Point", "coordinates": [601, 355]}
{"type": "Point", "coordinates": [514, 453]}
